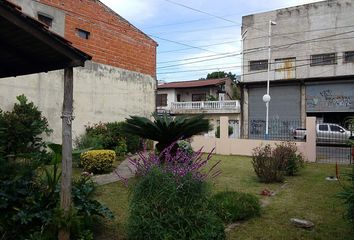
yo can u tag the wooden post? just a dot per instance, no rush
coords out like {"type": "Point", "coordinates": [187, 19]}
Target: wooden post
{"type": "Point", "coordinates": [67, 117]}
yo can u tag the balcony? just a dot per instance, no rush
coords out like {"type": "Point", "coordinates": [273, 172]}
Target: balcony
{"type": "Point", "coordinates": [230, 106]}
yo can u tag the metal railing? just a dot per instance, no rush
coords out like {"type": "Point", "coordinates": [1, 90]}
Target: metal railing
{"type": "Point", "coordinates": [207, 105]}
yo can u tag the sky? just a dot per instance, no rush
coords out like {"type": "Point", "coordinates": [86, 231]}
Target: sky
{"type": "Point", "coordinates": [191, 43]}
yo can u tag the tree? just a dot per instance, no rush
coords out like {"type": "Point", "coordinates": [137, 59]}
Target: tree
{"type": "Point", "coordinates": [165, 129]}
{"type": "Point", "coordinates": [236, 91]}
{"type": "Point", "coordinates": [221, 74]}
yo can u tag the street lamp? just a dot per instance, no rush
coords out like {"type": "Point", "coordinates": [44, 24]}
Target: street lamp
{"type": "Point", "coordinates": [266, 97]}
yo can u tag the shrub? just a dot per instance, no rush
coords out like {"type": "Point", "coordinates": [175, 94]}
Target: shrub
{"type": "Point", "coordinates": [267, 168]}
{"type": "Point", "coordinates": [286, 154]}
{"type": "Point", "coordinates": [22, 129]}
{"type": "Point", "coordinates": [97, 161]}
{"type": "Point", "coordinates": [163, 208]}
{"type": "Point", "coordinates": [185, 146]}
{"type": "Point", "coordinates": [108, 136]}
{"type": "Point", "coordinates": [234, 206]}
{"type": "Point", "coordinates": [347, 195]}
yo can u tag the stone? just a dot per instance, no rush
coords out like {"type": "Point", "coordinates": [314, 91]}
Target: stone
{"type": "Point", "coordinates": [231, 226]}
{"type": "Point", "coordinates": [301, 223]}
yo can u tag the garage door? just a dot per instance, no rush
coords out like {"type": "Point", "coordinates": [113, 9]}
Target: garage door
{"type": "Point", "coordinates": [284, 105]}
{"type": "Point", "coordinates": [284, 112]}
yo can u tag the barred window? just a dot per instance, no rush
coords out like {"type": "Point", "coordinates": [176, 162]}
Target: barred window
{"type": "Point", "coordinates": [323, 59]}
{"type": "Point", "coordinates": [258, 65]}
{"type": "Point", "coordinates": [161, 100]}
{"type": "Point", "coordinates": [349, 57]}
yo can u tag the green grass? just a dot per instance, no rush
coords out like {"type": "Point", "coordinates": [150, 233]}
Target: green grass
{"type": "Point", "coordinates": [307, 196]}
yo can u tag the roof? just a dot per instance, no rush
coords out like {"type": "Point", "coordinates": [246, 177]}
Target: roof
{"type": "Point", "coordinates": [27, 46]}
{"type": "Point", "coordinates": [194, 83]}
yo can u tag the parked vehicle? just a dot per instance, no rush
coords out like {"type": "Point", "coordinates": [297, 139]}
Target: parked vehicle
{"type": "Point", "coordinates": [326, 133]}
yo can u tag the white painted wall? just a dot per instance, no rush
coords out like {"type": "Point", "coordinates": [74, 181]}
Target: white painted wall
{"type": "Point", "coordinates": [101, 93]}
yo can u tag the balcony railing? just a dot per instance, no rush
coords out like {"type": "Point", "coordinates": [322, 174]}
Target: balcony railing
{"type": "Point", "coordinates": [206, 106]}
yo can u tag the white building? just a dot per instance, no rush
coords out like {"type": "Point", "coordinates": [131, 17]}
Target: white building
{"type": "Point", "coordinates": [211, 97]}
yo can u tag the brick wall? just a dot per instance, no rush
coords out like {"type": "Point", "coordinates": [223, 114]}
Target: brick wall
{"type": "Point", "coordinates": [113, 40]}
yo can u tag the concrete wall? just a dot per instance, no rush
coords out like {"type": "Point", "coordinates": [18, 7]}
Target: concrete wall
{"type": "Point", "coordinates": [326, 21]}
{"type": "Point", "coordinates": [101, 93]}
{"type": "Point", "coordinates": [32, 8]}
{"type": "Point", "coordinates": [228, 146]}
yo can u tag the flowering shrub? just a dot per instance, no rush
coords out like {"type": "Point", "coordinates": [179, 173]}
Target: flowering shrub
{"type": "Point", "coordinates": [170, 198]}
{"type": "Point", "coordinates": [177, 162]}
{"type": "Point", "coordinates": [98, 161]}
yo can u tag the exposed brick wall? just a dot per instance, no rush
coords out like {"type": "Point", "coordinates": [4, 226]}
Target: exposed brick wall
{"type": "Point", "coordinates": [112, 40]}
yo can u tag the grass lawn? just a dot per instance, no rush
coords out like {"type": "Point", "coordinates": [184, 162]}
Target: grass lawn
{"type": "Point", "coordinates": [307, 196]}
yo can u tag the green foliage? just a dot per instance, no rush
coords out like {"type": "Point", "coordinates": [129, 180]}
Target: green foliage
{"type": "Point", "coordinates": [236, 92]}
{"type": "Point", "coordinates": [271, 165]}
{"type": "Point", "coordinates": [165, 129]}
{"type": "Point", "coordinates": [217, 132]}
{"type": "Point", "coordinates": [266, 167]}
{"type": "Point", "coordinates": [185, 146]}
{"type": "Point", "coordinates": [211, 98]}
{"type": "Point", "coordinates": [347, 195]}
{"type": "Point", "coordinates": [235, 206]}
{"type": "Point", "coordinates": [22, 129]}
{"type": "Point", "coordinates": [286, 154]}
{"type": "Point", "coordinates": [221, 74]}
{"type": "Point", "coordinates": [108, 136]}
{"type": "Point", "coordinates": [29, 201]}
{"type": "Point", "coordinates": [98, 161]}
{"type": "Point", "coordinates": [122, 148]}
{"type": "Point", "coordinates": [163, 208]}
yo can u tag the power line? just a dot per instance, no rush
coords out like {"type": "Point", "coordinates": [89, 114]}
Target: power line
{"type": "Point", "coordinates": [209, 45]}
{"type": "Point", "coordinates": [192, 58]}
{"type": "Point", "coordinates": [183, 44]}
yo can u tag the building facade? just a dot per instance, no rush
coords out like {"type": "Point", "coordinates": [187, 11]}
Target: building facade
{"type": "Point", "coordinates": [211, 97]}
{"type": "Point", "coordinates": [311, 63]}
{"type": "Point", "coordinates": [118, 82]}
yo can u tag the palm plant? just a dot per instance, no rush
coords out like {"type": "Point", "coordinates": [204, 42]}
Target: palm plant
{"type": "Point", "coordinates": [165, 129]}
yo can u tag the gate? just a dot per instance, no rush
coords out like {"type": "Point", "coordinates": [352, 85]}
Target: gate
{"type": "Point", "coordinates": [332, 144]}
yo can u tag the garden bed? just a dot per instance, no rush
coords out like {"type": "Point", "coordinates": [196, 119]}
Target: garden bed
{"type": "Point", "coordinates": [308, 196]}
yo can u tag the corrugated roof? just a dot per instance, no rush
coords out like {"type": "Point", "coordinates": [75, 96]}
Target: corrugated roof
{"type": "Point", "coordinates": [194, 83]}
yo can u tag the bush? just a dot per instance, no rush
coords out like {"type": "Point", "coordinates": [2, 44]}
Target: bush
{"type": "Point", "coordinates": [286, 154]}
{"type": "Point", "coordinates": [108, 136]}
{"type": "Point", "coordinates": [235, 206]}
{"type": "Point", "coordinates": [347, 195]}
{"type": "Point", "coordinates": [97, 161]}
{"type": "Point", "coordinates": [266, 167]}
{"type": "Point", "coordinates": [185, 146]}
{"type": "Point", "coordinates": [22, 130]}
{"type": "Point", "coordinates": [163, 208]}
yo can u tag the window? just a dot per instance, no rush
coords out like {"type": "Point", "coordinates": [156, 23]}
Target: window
{"type": "Point", "coordinates": [323, 59]}
{"type": "Point", "coordinates": [258, 65]}
{"type": "Point", "coordinates": [47, 20]}
{"type": "Point", "coordinates": [335, 128]}
{"type": "Point", "coordinates": [178, 97]}
{"type": "Point", "coordinates": [198, 97]}
{"type": "Point", "coordinates": [322, 127]}
{"type": "Point", "coordinates": [285, 64]}
{"type": "Point", "coordinates": [161, 100]}
{"type": "Point", "coordinates": [349, 57]}
{"type": "Point", "coordinates": [82, 33]}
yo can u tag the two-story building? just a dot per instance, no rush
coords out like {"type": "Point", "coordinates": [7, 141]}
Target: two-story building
{"type": "Point", "coordinates": [311, 63]}
{"type": "Point", "coordinates": [211, 97]}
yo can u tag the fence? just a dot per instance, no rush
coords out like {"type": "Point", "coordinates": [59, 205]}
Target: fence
{"type": "Point", "coordinates": [332, 144]}
{"type": "Point", "coordinates": [230, 146]}
{"type": "Point", "coordinates": [279, 130]}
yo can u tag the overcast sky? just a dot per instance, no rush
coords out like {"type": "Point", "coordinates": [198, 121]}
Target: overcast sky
{"type": "Point", "coordinates": [186, 28]}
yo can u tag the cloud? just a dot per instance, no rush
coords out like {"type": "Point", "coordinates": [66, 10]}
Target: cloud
{"type": "Point", "coordinates": [133, 10]}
